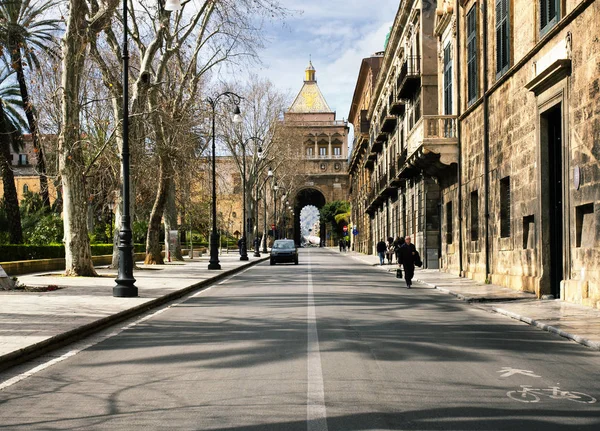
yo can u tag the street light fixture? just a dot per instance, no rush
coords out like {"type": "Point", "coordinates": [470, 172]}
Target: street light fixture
{"type": "Point", "coordinates": [260, 156]}
{"type": "Point", "coordinates": [269, 175]}
{"type": "Point", "coordinates": [125, 287]}
{"type": "Point", "coordinates": [244, 245]}
{"type": "Point", "coordinates": [275, 187]}
{"type": "Point", "coordinates": [214, 235]}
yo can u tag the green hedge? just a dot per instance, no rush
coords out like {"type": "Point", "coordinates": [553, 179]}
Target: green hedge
{"type": "Point", "coordinates": [11, 252]}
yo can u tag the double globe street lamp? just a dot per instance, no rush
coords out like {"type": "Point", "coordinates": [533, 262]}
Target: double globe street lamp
{"type": "Point", "coordinates": [244, 245]}
{"type": "Point", "coordinates": [214, 235]}
{"type": "Point", "coordinates": [125, 287]}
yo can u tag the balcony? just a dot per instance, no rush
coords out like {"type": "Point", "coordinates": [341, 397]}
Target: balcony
{"type": "Point", "coordinates": [409, 78]}
{"type": "Point", "coordinates": [432, 146]}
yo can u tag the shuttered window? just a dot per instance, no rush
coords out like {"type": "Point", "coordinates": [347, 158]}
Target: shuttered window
{"type": "Point", "coordinates": [472, 55]}
{"type": "Point", "coordinates": [502, 37]}
{"type": "Point", "coordinates": [549, 15]}
{"type": "Point", "coordinates": [447, 80]}
{"type": "Point", "coordinates": [505, 207]}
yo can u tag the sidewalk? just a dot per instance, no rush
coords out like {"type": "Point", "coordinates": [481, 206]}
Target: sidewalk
{"type": "Point", "coordinates": [575, 322]}
{"type": "Point", "coordinates": [33, 323]}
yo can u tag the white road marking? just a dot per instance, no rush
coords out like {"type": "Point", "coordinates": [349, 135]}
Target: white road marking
{"type": "Point", "coordinates": [316, 414]}
{"type": "Point", "coordinates": [509, 371]}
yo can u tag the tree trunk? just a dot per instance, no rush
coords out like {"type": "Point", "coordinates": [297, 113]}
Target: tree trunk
{"type": "Point", "coordinates": [17, 64]}
{"type": "Point", "coordinates": [10, 191]}
{"type": "Point", "coordinates": [78, 254]}
{"type": "Point", "coordinates": [170, 220]}
{"type": "Point", "coordinates": [153, 245]}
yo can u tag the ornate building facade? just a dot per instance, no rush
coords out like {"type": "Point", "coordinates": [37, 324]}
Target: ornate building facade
{"type": "Point", "coordinates": [360, 175]}
{"type": "Point", "coordinates": [324, 147]}
{"type": "Point", "coordinates": [499, 164]}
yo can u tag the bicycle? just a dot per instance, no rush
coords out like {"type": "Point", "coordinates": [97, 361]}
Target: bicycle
{"type": "Point", "coordinates": [528, 394]}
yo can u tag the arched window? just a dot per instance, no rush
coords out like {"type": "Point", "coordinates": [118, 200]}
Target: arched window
{"type": "Point", "coordinates": [25, 188]}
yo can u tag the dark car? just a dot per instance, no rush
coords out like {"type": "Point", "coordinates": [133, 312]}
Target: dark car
{"type": "Point", "coordinates": [284, 250]}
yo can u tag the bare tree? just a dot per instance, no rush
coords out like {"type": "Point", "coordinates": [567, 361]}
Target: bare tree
{"type": "Point", "coordinates": [82, 21]}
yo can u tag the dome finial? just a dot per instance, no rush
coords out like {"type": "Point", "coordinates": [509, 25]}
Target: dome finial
{"type": "Point", "coordinates": [309, 75]}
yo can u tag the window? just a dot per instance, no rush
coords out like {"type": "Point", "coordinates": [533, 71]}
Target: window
{"type": "Point", "coordinates": [448, 80]}
{"type": "Point", "coordinates": [322, 151]}
{"type": "Point", "coordinates": [22, 159]}
{"type": "Point", "coordinates": [337, 151]}
{"type": "Point", "coordinates": [474, 216]}
{"type": "Point", "coordinates": [309, 151]}
{"type": "Point", "coordinates": [25, 188]}
{"type": "Point", "coordinates": [505, 207]}
{"type": "Point", "coordinates": [472, 55]}
{"type": "Point", "coordinates": [449, 219]}
{"type": "Point", "coordinates": [502, 37]}
{"type": "Point", "coordinates": [549, 15]}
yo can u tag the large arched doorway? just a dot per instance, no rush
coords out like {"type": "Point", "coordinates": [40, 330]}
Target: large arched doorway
{"type": "Point", "coordinates": [307, 197]}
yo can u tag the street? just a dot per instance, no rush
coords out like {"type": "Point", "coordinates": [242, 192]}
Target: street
{"type": "Point", "coordinates": [329, 344]}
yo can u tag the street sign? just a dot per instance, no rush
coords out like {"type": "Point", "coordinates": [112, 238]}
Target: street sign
{"type": "Point", "coordinates": [345, 228]}
{"type": "Point", "coordinates": [355, 231]}
{"type": "Point", "coordinates": [272, 226]}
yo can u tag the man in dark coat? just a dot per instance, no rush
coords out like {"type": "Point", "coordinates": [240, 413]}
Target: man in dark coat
{"type": "Point", "coordinates": [408, 256]}
{"type": "Point", "coordinates": [397, 244]}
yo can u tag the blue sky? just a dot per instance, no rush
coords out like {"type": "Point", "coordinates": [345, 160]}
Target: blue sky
{"type": "Point", "coordinates": [337, 34]}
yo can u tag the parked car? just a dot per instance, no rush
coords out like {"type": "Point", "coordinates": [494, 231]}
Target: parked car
{"type": "Point", "coordinates": [284, 250]}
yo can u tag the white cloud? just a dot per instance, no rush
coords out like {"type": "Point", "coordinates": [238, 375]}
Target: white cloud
{"type": "Point", "coordinates": [337, 35]}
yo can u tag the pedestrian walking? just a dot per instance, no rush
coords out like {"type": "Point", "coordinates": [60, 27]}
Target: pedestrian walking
{"type": "Point", "coordinates": [381, 247]}
{"type": "Point", "coordinates": [397, 244]}
{"type": "Point", "coordinates": [409, 257]}
{"type": "Point", "coordinates": [389, 252]}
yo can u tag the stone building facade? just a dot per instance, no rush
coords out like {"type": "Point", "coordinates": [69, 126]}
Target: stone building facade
{"type": "Point", "coordinates": [360, 175]}
{"type": "Point", "coordinates": [401, 198]}
{"type": "Point", "coordinates": [524, 211]}
{"type": "Point", "coordinates": [501, 162]}
{"type": "Point", "coordinates": [324, 148]}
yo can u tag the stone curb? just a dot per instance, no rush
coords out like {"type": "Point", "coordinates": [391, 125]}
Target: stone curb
{"type": "Point", "coordinates": [581, 340]}
{"type": "Point", "coordinates": [548, 328]}
{"type": "Point", "coordinates": [35, 350]}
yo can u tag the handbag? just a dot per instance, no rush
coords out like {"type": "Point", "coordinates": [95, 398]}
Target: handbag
{"type": "Point", "coordinates": [399, 273]}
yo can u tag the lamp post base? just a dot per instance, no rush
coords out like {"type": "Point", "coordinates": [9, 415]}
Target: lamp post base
{"type": "Point", "coordinates": [125, 291]}
{"type": "Point", "coordinates": [214, 251]}
{"type": "Point", "coordinates": [244, 250]}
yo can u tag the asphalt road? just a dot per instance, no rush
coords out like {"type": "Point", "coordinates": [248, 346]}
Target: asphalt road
{"type": "Point", "coordinates": [330, 344]}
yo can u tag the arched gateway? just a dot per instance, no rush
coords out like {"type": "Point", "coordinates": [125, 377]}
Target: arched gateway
{"type": "Point", "coordinates": [325, 149]}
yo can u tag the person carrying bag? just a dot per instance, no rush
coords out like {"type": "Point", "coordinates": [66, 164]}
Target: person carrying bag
{"type": "Point", "coordinates": [409, 258]}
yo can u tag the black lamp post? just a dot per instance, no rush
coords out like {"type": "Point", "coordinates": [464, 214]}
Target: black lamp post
{"type": "Point", "coordinates": [214, 235]}
{"type": "Point", "coordinates": [256, 241]}
{"type": "Point", "coordinates": [269, 175]}
{"type": "Point", "coordinates": [125, 287]}
{"type": "Point", "coordinates": [275, 187]}
{"type": "Point", "coordinates": [244, 245]}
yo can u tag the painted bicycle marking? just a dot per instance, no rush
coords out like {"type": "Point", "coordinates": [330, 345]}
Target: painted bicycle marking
{"type": "Point", "coordinates": [529, 394]}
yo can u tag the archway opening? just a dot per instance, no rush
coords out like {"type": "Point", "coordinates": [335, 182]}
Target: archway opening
{"type": "Point", "coordinates": [308, 198]}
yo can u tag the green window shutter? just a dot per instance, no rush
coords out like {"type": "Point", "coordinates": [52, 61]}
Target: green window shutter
{"type": "Point", "coordinates": [472, 55]}
{"type": "Point", "coordinates": [447, 80]}
{"type": "Point", "coordinates": [549, 15]}
{"type": "Point", "coordinates": [502, 37]}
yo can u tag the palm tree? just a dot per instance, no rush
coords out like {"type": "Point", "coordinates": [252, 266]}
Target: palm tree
{"type": "Point", "coordinates": [25, 32]}
{"type": "Point", "coordinates": [10, 137]}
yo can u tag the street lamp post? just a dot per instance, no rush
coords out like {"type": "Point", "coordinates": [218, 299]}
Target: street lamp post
{"type": "Point", "coordinates": [275, 187]}
{"type": "Point", "coordinates": [125, 287]}
{"type": "Point", "coordinates": [244, 245]}
{"type": "Point", "coordinates": [214, 235]}
{"type": "Point", "coordinates": [269, 175]}
{"type": "Point", "coordinates": [256, 241]}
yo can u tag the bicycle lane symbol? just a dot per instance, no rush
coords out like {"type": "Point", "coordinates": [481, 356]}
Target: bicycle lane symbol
{"type": "Point", "coordinates": [529, 394]}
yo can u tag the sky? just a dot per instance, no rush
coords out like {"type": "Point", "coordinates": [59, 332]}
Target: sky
{"type": "Point", "coordinates": [336, 35]}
